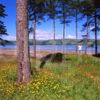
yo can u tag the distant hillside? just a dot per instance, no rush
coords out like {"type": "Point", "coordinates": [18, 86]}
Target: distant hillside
{"type": "Point", "coordinates": [58, 42]}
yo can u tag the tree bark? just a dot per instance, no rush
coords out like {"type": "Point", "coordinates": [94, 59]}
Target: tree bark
{"type": "Point", "coordinates": [54, 29]}
{"type": "Point", "coordinates": [34, 37]}
{"type": "Point", "coordinates": [76, 20]}
{"type": "Point", "coordinates": [95, 19]}
{"type": "Point", "coordinates": [54, 42]}
{"type": "Point", "coordinates": [64, 27]}
{"type": "Point", "coordinates": [87, 34]}
{"type": "Point", "coordinates": [23, 62]}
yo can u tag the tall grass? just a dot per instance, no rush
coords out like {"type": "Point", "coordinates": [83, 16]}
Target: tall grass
{"type": "Point", "coordinates": [76, 78]}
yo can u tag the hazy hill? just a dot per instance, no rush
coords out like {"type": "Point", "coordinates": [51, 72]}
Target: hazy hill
{"type": "Point", "coordinates": [51, 42]}
{"type": "Point", "coordinates": [58, 42]}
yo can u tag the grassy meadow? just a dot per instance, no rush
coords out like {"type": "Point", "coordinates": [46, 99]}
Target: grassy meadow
{"type": "Point", "coordinates": [76, 78]}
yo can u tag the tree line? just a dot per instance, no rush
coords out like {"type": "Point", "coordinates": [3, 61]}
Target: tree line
{"type": "Point", "coordinates": [66, 11]}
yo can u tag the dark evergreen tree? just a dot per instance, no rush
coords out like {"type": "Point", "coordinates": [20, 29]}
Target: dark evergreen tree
{"type": "Point", "coordinates": [91, 9]}
{"type": "Point", "coordinates": [51, 13]}
{"type": "Point", "coordinates": [75, 6]}
{"type": "Point", "coordinates": [36, 12]}
{"type": "Point", "coordinates": [86, 10]}
{"type": "Point", "coordinates": [3, 30]}
{"type": "Point", "coordinates": [64, 17]}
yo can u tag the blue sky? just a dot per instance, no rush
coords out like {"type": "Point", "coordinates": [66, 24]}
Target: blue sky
{"type": "Point", "coordinates": [44, 30]}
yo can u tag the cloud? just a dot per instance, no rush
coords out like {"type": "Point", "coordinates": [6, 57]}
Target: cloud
{"type": "Point", "coordinates": [70, 36]}
{"type": "Point", "coordinates": [10, 37]}
{"type": "Point", "coordinates": [41, 35]}
{"type": "Point", "coordinates": [91, 27]}
{"type": "Point", "coordinates": [99, 36]}
{"type": "Point", "coordinates": [59, 36]}
{"type": "Point", "coordinates": [44, 35]}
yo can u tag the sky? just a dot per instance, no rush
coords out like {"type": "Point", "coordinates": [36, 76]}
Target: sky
{"type": "Point", "coordinates": [44, 30]}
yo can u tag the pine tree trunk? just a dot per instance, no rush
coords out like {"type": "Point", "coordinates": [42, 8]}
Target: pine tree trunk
{"type": "Point", "coordinates": [54, 29]}
{"type": "Point", "coordinates": [76, 20]}
{"type": "Point", "coordinates": [22, 42]}
{"type": "Point", "coordinates": [63, 37]}
{"type": "Point", "coordinates": [64, 31]}
{"type": "Point", "coordinates": [54, 43]}
{"type": "Point", "coordinates": [95, 19]}
{"type": "Point", "coordinates": [87, 35]}
{"type": "Point", "coordinates": [64, 24]}
{"type": "Point", "coordinates": [34, 37]}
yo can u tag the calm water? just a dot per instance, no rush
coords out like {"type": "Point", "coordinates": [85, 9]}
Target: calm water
{"type": "Point", "coordinates": [55, 47]}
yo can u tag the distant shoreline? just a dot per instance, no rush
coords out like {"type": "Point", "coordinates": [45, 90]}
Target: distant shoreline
{"type": "Point", "coordinates": [13, 52]}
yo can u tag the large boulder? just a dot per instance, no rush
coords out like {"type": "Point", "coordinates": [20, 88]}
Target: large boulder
{"type": "Point", "coordinates": [56, 57]}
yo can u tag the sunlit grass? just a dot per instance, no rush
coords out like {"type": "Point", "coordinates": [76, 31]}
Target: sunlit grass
{"type": "Point", "coordinates": [76, 78]}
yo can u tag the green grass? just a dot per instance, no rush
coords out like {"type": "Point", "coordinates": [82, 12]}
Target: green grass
{"type": "Point", "coordinates": [76, 78]}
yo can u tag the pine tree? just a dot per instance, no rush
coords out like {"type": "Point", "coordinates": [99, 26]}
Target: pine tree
{"type": "Point", "coordinates": [23, 61]}
{"type": "Point", "coordinates": [3, 30]}
{"type": "Point", "coordinates": [64, 17]}
{"type": "Point", "coordinates": [93, 17]}
{"type": "Point", "coordinates": [36, 12]}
